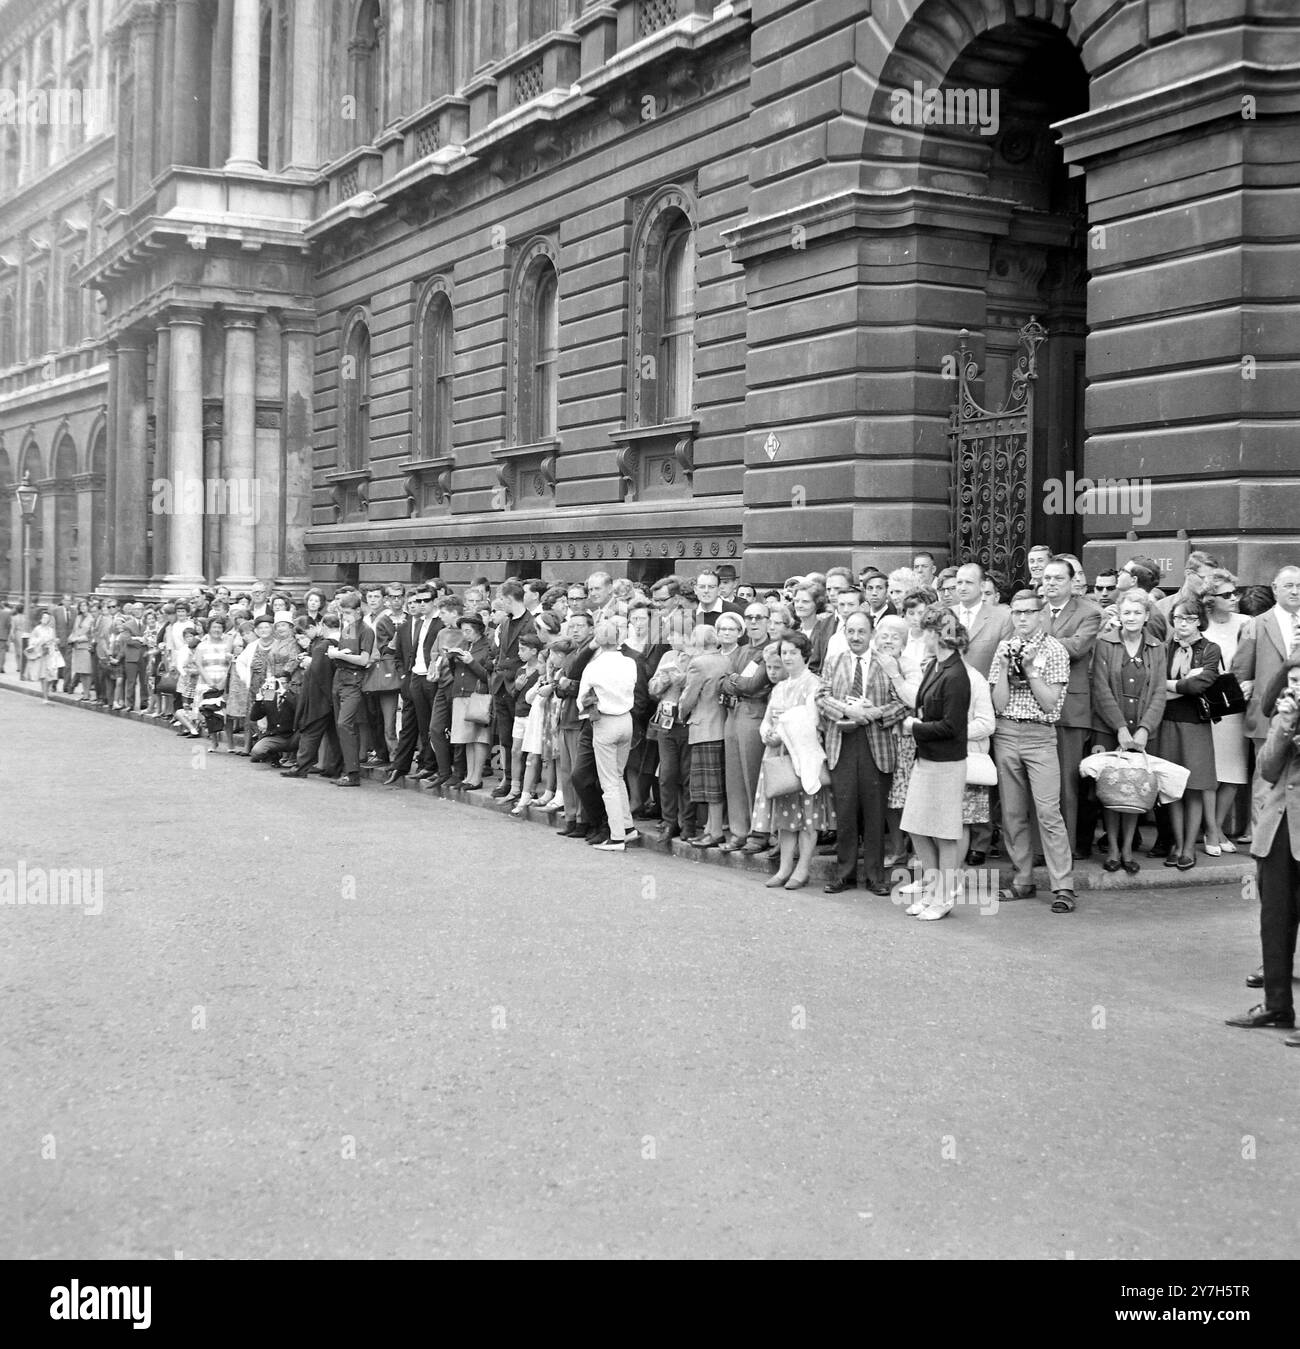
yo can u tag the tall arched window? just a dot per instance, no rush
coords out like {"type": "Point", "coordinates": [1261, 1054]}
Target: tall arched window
{"type": "Point", "coordinates": [355, 378]}
{"type": "Point", "coordinates": [546, 355]}
{"type": "Point", "coordinates": [37, 322]}
{"type": "Point", "coordinates": [677, 327]}
{"type": "Point", "coordinates": [72, 322]}
{"type": "Point", "coordinates": [436, 355]}
{"type": "Point", "coordinates": [367, 65]}
{"type": "Point", "coordinates": [8, 330]}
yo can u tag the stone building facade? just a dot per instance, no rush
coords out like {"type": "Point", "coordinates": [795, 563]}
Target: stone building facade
{"type": "Point", "coordinates": [480, 287]}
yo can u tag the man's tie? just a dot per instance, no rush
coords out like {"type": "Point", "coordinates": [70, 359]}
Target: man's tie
{"type": "Point", "coordinates": [856, 690]}
{"type": "Point", "coordinates": [1294, 649]}
{"type": "Point", "coordinates": [1056, 613]}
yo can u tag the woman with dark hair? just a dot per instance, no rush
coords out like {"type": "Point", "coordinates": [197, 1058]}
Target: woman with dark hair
{"type": "Point", "coordinates": [471, 666]}
{"type": "Point", "coordinates": [1226, 627]}
{"type": "Point", "coordinates": [1256, 600]}
{"type": "Point", "coordinates": [1275, 846]}
{"type": "Point", "coordinates": [815, 622]}
{"type": "Point", "coordinates": [640, 645]}
{"type": "Point", "coordinates": [1128, 701]}
{"type": "Point", "coordinates": [314, 602]}
{"type": "Point", "coordinates": [82, 638]}
{"type": "Point", "coordinates": [1184, 738]}
{"type": "Point", "coordinates": [933, 810]}
{"type": "Point", "coordinates": [800, 814]}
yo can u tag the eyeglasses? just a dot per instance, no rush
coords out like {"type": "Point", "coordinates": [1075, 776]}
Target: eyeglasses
{"type": "Point", "coordinates": [754, 618]}
{"type": "Point", "coordinates": [1024, 613]}
{"type": "Point", "coordinates": [1186, 618]}
{"type": "Point", "coordinates": [1226, 594]}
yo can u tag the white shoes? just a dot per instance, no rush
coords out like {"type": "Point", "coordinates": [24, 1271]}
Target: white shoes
{"type": "Point", "coordinates": [934, 911]}
{"type": "Point", "coordinates": [524, 802]}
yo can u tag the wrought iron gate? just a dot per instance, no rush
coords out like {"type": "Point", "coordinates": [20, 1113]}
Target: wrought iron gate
{"type": "Point", "coordinates": [992, 462]}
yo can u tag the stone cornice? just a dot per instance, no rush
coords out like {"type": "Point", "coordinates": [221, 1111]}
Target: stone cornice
{"type": "Point", "coordinates": [1210, 97]}
{"type": "Point", "coordinates": [857, 210]}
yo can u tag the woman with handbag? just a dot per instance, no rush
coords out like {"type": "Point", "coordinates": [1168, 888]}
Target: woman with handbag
{"type": "Point", "coordinates": [41, 649]}
{"type": "Point", "coordinates": [1226, 627]}
{"type": "Point", "coordinates": [471, 704]}
{"type": "Point", "coordinates": [793, 813]}
{"type": "Point", "coordinates": [666, 685]}
{"type": "Point", "coordinates": [1184, 736]}
{"type": "Point", "coordinates": [932, 814]}
{"type": "Point", "coordinates": [1128, 701]}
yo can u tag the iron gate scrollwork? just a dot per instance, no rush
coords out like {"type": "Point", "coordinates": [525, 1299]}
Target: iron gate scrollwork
{"type": "Point", "coordinates": [992, 461]}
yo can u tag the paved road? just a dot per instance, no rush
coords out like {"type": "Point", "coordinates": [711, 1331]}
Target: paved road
{"type": "Point", "coordinates": [311, 1022]}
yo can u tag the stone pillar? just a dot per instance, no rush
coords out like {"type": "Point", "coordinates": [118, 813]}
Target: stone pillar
{"type": "Point", "coordinates": [120, 54]}
{"type": "Point", "coordinates": [298, 347]}
{"type": "Point", "coordinates": [243, 495]}
{"type": "Point", "coordinates": [48, 510]}
{"type": "Point", "coordinates": [185, 457]}
{"type": "Point", "coordinates": [143, 149]}
{"type": "Point", "coordinates": [161, 520]}
{"type": "Point", "coordinates": [167, 75]}
{"type": "Point", "coordinates": [245, 59]}
{"type": "Point", "coordinates": [302, 137]}
{"type": "Point", "coordinates": [184, 102]}
{"type": "Point", "coordinates": [83, 580]}
{"type": "Point", "coordinates": [127, 463]}
{"type": "Point", "coordinates": [219, 100]}
{"type": "Point", "coordinates": [110, 495]}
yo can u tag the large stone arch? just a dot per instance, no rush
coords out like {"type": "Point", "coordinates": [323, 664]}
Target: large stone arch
{"type": "Point", "coordinates": [63, 546]}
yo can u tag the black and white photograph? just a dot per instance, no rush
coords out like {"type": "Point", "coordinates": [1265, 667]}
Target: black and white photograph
{"type": "Point", "coordinates": [784, 513]}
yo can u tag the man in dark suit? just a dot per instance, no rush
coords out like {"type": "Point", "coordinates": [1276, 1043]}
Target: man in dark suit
{"type": "Point", "coordinates": [414, 645]}
{"type": "Point", "coordinates": [514, 621]}
{"type": "Point", "coordinates": [378, 730]}
{"type": "Point", "coordinates": [63, 615]}
{"type": "Point", "coordinates": [858, 706]}
{"type": "Point", "coordinates": [1263, 650]}
{"type": "Point", "coordinates": [711, 603]}
{"type": "Point", "coordinates": [1075, 623]}
{"type": "Point", "coordinates": [583, 808]}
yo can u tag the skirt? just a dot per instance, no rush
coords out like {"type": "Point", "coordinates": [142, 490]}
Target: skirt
{"type": "Point", "coordinates": [902, 772]}
{"type": "Point", "coordinates": [797, 811]}
{"type": "Point", "coordinates": [534, 728]}
{"type": "Point", "coordinates": [236, 695]}
{"type": "Point", "coordinates": [81, 661]}
{"type": "Point", "coordinates": [467, 732]}
{"type": "Point", "coordinates": [933, 807]}
{"type": "Point", "coordinates": [708, 773]}
{"type": "Point", "coordinates": [1190, 744]}
{"type": "Point", "coordinates": [1229, 737]}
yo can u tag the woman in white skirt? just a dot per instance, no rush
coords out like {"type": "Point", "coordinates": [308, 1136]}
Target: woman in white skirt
{"type": "Point", "coordinates": [1225, 629]}
{"type": "Point", "coordinates": [933, 810]}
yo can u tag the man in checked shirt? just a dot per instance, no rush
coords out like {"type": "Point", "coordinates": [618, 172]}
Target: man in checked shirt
{"type": "Point", "coordinates": [1028, 679]}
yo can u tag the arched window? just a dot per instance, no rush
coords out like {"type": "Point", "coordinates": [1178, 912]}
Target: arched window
{"type": "Point", "coordinates": [436, 356]}
{"type": "Point", "coordinates": [72, 321]}
{"type": "Point", "coordinates": [367, 65]}
{"type": "Point", "coordinates": [546, 355]}
{"type": "Point", "coordinates": [8, 333]}
{"type": "Point", "coordinates": [355, 377]}
{"type": "Point", "coordinates": [442, 39]}
{"type": "Point", "coordinates": [37, 322]}
{"type": "Point", "coordinates": [677, 328]}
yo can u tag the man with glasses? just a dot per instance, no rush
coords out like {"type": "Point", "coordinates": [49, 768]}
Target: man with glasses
{"type": "Point", "coordinates": [1262, 652]}
{"type": "Point", "coordinates": [1105, 587]}
{"type": "Point", "coordinates": [1028, 679]}
{"type": "Point", "coordinates": [414, 643]}
{"type": "Point", "coordinates": [924, 568]}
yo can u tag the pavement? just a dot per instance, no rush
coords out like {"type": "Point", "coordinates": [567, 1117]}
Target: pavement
{"type": "Point", "coordinates": [312, 1023]}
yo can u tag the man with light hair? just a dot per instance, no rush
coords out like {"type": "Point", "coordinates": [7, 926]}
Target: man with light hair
{"type": "Point", "coordinates": [900, 582]}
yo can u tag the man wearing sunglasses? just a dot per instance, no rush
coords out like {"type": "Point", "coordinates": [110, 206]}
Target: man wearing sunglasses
{"type": "Point", "coordinates": [1105, 587]}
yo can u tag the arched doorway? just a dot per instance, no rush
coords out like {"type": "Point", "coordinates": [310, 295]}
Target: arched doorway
{"type": "Point", "coordinates": [31, 463]}
{"type": "Point", "coordinates": [65, 517]}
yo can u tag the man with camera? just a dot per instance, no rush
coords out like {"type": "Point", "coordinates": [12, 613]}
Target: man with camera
{"type": "Point", "coordinates": [1028, 679]}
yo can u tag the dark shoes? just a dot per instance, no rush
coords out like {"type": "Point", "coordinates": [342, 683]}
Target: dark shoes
{"type": "Point", "coordinates": [754, 845]}
{"type": "Point", "coordinates": [1010, 892]}
{"type": "Point", "coordinates": [732, 845]}
{"type": "Point", "coordinates": [571, 830]}
{"type": "Point", "coordinates": [705, 841]}
{"type": "Point", "coordinates": [502, 791]}
{"type": "Point", "coordinates": [1262, 1016]}
{"type": "Point", "coordinates": [301, 773]}
{"type": "Point", "coordinates": [392, 777]}
{"type": "Point", "coordinates": [420, 773]}
{"type": "Point", "coordinates": [670, 832]}
{"type": "Point", "coordinates": [597, 836]}
{"type": "Point", "coordinates": [1256, 980]}
{"type": "Point", "coordinates": [1064, 901]}
{"type": "Point", "coordinates": [975, 858]}
{"type": "Point", "coordinates": [1111, 864]}
{"type": "Point", "coordinates": [348, 780]}
{"type": "Point", "coordinates": [837, 887]}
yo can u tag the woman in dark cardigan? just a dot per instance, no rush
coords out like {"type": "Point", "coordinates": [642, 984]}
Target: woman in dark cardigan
{"type": "Point", "coordinates": [1194, 664]}
{"type": "Point", "coordinates": [932, 813]}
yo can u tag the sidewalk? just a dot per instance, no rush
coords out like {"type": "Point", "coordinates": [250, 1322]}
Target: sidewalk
{"type": "Point", "coordinates": [1228, 870]}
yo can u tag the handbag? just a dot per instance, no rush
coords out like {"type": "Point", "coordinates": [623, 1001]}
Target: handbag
{"type": "Point", "coordinates": [382, 676]}
{"type": "Point", "coordinates": [478, 709]}
{"type": "Point", "coordinates": [1126, 785]}
{"type": "Point", "coordinates": [1223, 698]}
{"type": "Point", "coordinates": [166, 683]}
{"type": "Point", "coordinates": [779, 777]}
{"type": "Point", "coordinates": [981, 771]}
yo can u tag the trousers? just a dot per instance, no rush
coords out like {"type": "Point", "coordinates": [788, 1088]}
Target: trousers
{"type": "Point", "coordinates": [1278, 878]}
{"type": "Point", "coordinates": [611, 742]}
{"type": "Point", "coordinates": [861, 790]}
{"type": "Point", "coordinates": [1029, 779]}
{"type": "Point", "coordinates": [348, 712]}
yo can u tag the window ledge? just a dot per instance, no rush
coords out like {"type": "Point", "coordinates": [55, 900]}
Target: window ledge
{"type": "Point", "coordinates": [526, 475]}
{"type": "Point", "coordinates": [656, 462]}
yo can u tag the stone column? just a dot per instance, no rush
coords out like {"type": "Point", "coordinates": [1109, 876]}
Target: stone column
{"type": "Point", "coordinates": [184, 101]}
{"type": "Point", "coordinates": [219, 101]}
{"type": "Point", "coordinates": [127, 462]}
{"type": "Point", "coordinates": [302, 136]}
{"type": "Point", "coordinates": [110, 495]}
{"type": "Point", "coordinates": [83, 579]}
{"type": "Point", "coordinates": [47, 508]}
{"type": "Point", "coordinates": [245, 59]}
{"type": "Point", "coordinates": [162, 446]}
{"type": "Point", "coordinates": [185, 457]}
{"type": "Point", "coordinates": [143, 148]}
{"type": "Point", "coordinates": [243, 497]}
{"type": "Point", "coordinates": [167, 75]}
{"type": "Point", "coordinates": [298, 348]}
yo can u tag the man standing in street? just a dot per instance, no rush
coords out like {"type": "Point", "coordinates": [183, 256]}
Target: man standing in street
{"type": "Point", "coordinates": [858, 706]}
{"type": "Point", "coordinates": [1028, 679]}
{"type": "Point", "coordinates": [578, 822]}
{"type": "Point", "coordinates": [352, 655]}
{"type": "Point", "coordinates": [64, 615]}
{"type": "Point", "coordinates": [380, 724]}
{"type": "Point", "coordinates": [414, 643]}
{"type": "Point", "coordinates": [1075, 623]}
{"type": "Point", "coordinates": [514, 621]}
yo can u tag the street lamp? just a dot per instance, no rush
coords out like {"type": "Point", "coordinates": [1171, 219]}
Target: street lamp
{"type": "Point", "coordinates": [27, 495]}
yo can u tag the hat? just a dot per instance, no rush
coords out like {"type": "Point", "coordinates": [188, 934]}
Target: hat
{"type": "Point", "coordinates": [284, 616]}
{"type": "Point", "coordinates": [263, 618]}
{"type": "Point", "coordinates": [472, 617]}
{"type": "Point", "coordinates": [726, 572]}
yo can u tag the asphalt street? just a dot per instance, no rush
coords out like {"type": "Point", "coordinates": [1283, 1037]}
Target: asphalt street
{"type": "Point", "coordinates": [321, 1023]}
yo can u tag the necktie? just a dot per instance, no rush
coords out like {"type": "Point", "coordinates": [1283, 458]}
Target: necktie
{"type": "Point", "coordinates": [856, 690]}
{"type": "Point", "coordinates": [1294, 649]}
{"type": "Point", "coordinates": [1056, 613]}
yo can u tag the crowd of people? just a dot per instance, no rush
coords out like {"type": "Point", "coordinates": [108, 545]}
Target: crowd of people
{"type": "Point", "coordinates": [917, 716]}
